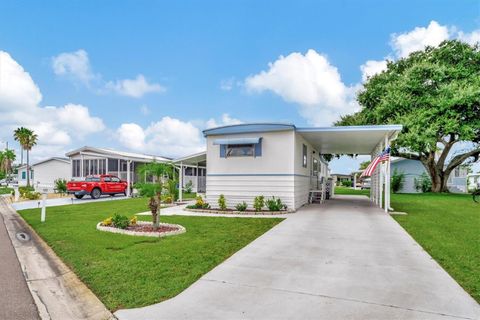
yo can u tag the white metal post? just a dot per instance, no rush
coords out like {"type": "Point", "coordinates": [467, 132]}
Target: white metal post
{"type": "Point", "coordinates": [128, 177]}
{"type": "Point", "coordinates": [197, 178]}
{"type": "Point", "coordinates": [44, 209]}
{"type": "Point", "coordinates": [180, 182]}
{"type": "Point", "coordinates": [387, 178]}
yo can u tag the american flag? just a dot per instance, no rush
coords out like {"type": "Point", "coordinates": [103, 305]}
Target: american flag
{"type": "Point", "coordinates": [382, 157]}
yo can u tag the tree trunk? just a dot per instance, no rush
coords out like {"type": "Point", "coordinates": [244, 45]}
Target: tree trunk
{"type": "Point", "coordinates": [28, 170]}
{"type": "Point", "coordinates": [438, 177]}
{"type": "Point", "coordinates": [21, 156]}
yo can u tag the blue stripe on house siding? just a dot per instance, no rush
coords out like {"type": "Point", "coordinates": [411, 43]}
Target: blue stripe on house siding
{"type": "Point", "coordinates": [256, 175]}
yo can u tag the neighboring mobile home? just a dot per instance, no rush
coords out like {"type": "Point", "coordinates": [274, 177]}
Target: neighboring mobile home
{"type": "Point", "coordinates": [281, 160]}
{"type": "Point", "coordinates": [87, 161]}
{"type": "Point", "coordinates": [44, 173]}
{"type": "Point", "coordinates": [414, 169]}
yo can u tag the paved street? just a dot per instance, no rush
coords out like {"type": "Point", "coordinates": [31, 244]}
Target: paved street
{"type": "Point", "coordinates": [16, 302]}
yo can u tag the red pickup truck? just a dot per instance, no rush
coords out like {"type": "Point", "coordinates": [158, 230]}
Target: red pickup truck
{"type": "Point", "coordinates": [97, 185]}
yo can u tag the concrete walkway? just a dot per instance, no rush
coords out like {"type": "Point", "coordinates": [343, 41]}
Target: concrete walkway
{"type": "Point", "coordinates": [342, 260]}
{"type": "Point", "coordinates": [62, 201]}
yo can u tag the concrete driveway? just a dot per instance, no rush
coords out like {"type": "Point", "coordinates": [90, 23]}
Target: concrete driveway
{"type": "Point", "coordinates": [342, 260]}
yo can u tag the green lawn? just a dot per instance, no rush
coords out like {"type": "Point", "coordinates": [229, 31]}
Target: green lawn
{"type": "Point", "coordinates": [5, 190]}
{"type": "Point", "coordinates": [188, 196]}
{"type": "Point", "coordinates": [447, 226]}
{"type": "Point", "coordinates": [125, 271]}
{"type": "Point", "coordinates": [345, 190]}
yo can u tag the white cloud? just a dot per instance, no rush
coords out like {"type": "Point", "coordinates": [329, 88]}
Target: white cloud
{"type": "Point", "coordinates": [471, 38]}
{"type": "Point", "coordinates": [227, 84]}
{"type": "Point", "coordinates": [372, 67]}
{"type": "Point", "coordinates": [73, 64]}
{"type": "Point", "coordinates": [132, 136]}
{"type": "Point", "coordinates": [135, 88]}
{"type": "Point", "coordinates": [168, 137]}
{"type": "Point", "coordinates": [226, 120]}
{"type": "Point", "coordinates": [20, 101]}
{"type": "Point", "coordinates": [405, 43]}
{"type": "Point", "coordinates": [310, 81]}
{"type": "Point", "coordinates": [419, 38]}
{"type": "Point", "coordinates": [76, 66]}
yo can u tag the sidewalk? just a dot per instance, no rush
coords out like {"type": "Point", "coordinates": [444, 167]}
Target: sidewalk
{"type": "Point", "coordinates": [58, 293]}
{"type": "Point", "coordinates": [61, 201]}
{"type": "Point", "coordinates": [15, 298]}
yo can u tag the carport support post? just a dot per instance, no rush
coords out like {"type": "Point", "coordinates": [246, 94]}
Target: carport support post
{"type": "Point", "coordinates": [387, 179]}
{"type": "Point", "coordinates": [180, 182]}
{"type": "Point", "coordinates": [128, 177]}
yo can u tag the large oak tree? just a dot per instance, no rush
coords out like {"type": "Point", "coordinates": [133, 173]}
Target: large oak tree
{"type": "Point", "coordinates": [435, 95]}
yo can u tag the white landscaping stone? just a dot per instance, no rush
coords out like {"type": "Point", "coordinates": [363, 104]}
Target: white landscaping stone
{"type": "Point", "coordinates": [180, 230]}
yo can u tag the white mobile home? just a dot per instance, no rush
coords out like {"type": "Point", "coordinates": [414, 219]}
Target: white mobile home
{"type": "Point", "coordinates": [87, 161]}
{"type": "Point", "coordinates": [281, 160]}
{"type": "Point", "coordinates": [45, 172]}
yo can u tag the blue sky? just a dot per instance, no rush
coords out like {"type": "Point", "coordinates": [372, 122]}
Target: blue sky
{"type": "Point", "coordinates": [194, 64]}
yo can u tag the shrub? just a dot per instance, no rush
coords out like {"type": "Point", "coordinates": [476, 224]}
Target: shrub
{"type": "Point", "coordinates": [222, 202]}
{"type": "Point", "coordinates": [133, 220]}
{"type": "Point", "coordinates": [275, 204]}
{"type": "Point", "coordinates": [120, 221]}
{"type": "Point", "coordinates": [199, 204]}
{"type": "Point", "coordinates": [168, 199]}
{"type": "Point", "coordinates": [424, 183]}
{"type": "Point", "coordinates": [259, 203]}
{"type": "Point", "coordinates": [32, 195]}
{"type": "Point", "coordinates": [147, 189]}
{"type": "Point", "coordinates": [107, 222]}
{"type": "Point", "coordinates": [347, 183]}
{"type": "Point", "coordinates": [189, 186]}
{"type": "Point", "coordinates": [172, 188]}
{"type": "Point", "coordinates": [24, 190]}
{"type": "Point", "coordinates": [397, 180]}
{"type": "Point", "coordinates": [241, 206]}
{"type": "Point", "coordinates": [61, 185]}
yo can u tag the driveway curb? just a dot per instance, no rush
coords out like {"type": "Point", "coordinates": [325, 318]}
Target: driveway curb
{"type": "Point", "coordinates": [57, 291]}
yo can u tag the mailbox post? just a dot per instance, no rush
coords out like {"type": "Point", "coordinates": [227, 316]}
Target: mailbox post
{"type": "Point", "coordinates": [44, 203]}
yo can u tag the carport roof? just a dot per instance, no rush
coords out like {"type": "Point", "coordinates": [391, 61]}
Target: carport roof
{"type": "Point", "coordinates": [348, 139]}
{"type": "Point", "coordinates": [335, 140]}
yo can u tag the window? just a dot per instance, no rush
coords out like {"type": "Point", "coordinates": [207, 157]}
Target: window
{"type": "Point", "coordinates": [101, 166]}
{"type": "Point", "coordinates": [92, 179]}
{"type": "Point", "coordinates": [240, 150]}
{"type": "Point", "coordinates": [115, 179]}
{"type": "Point", "coordinates": [112, 165]}
{"type": "Point", "coordinates": [315, 167]}
{"type": "Point", "coordinates": [76, 168]}
{"type": "Point", "coordinates": [304, 154]}
{"type": "Point", "coordinates": [24, 175]}
{"type": "Point", "coordinates": [107, 179]}
{"type": "Point", "coordinates": [86, 170]}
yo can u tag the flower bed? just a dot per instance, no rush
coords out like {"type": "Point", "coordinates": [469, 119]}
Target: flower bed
{"type": "Point", "coordinates": [247, 212]}
{"type": "Point", "coordinates": [145, 229]}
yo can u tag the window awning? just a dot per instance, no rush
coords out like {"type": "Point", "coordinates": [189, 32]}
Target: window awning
{"type": "Point", "coordinates": [236, 141]}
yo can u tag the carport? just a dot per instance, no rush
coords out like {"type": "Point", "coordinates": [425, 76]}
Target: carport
{"type": "Point", "coordinates": [358, 140]}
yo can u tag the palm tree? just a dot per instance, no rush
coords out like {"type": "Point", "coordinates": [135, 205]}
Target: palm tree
{"type": "Point", "coordinates": [19, 135]}
{"type": "Point", "coordinates": [8, 158]}
{"type": "Point", "coordinates": [27, 139]}
{"type": "Point", "coordinates": [157, 169]}
{"type": "Point", "coordinates": [2, 163]}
